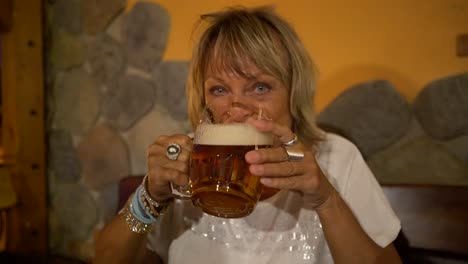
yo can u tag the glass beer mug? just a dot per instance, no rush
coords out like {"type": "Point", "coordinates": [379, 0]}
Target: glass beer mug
{"type": "Point", "coordinates": [220, 182]}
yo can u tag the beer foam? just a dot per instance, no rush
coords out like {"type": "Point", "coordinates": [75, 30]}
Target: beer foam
{"type": "Point", "coordinates": [235, 134]}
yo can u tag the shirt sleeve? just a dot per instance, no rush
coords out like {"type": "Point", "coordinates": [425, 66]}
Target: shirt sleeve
{"type": "Point", "coordinates": [357, 185]}
{"type": "Point", "coordinates": [368, 202]}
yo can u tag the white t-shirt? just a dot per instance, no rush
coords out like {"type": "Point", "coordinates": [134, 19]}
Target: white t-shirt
{"type": "Point", "coordinates": [279, 230]}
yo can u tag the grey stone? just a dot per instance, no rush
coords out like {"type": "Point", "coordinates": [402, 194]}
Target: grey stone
{"type": "Point", "coordinates": [115, 28]}
{"type": "Point", "coordinates": [76, 98]}
{"type": "Point", "coordinates": [459, 148]}
{"type": "Point", "coordinates": [97, 15]}
{"type": "Point", "coordinates": [76, 211]}
{"type": "Point", "coordinates": [67, 15]}
{"type": "Point", "coordinates": [421, 161]}
{"type": "Point", "coordinates": [171, 77]}
{"type": "Point", "coordinates": [106, 59]}
{"type": "Point", "coordinates": [108, 201]}
{"type": "Point", "coordinates": [66, 51]}
{"type": "Point", "coordinates": [157, 122]}
{"type": "Point", "coordinates": [442, 107]}
{"type": "Point", "coordinates": [373, 115]}
{"type": "Point", "coordinates": [414, 131]}
{"type": "Point", "coordinates": [64, 243]}
{"type": "Point", "coordinates": [63, 158]}
{"type": "Point", "coordinates": [50, 79]}
{"type": "Point", "coordinates": [128, 101]}
{"type": "Point", "coordinates": [145, 31]}
{"type": "Point", "coordinates": [104, 157]}
{"type": "Point", "coordinates": [56, 240]}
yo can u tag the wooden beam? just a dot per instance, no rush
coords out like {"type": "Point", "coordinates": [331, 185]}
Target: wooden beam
{"type": "Point", "coordinates": [23, 128]}
{"type": "Point", "coordinates": [433, 217]}
{"type": "Point", "coordinates": [5, 15]}
{"type": "Point", "coordinates": [462, 45]}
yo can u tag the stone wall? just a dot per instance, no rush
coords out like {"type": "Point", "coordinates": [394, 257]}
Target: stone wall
{"type": "Point", "coordinates": [425, 142]}
{"type": "Point", "coordinates": [110, 95]}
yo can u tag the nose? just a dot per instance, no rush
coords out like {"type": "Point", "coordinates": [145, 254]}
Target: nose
{"type": "Point", "coordinates": [239, 112]}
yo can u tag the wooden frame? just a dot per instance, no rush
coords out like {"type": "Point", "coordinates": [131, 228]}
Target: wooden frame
{"type": "Point", "coordinates": [23, 135]}
{"type": "Point", "coordinates": [462, 45]}
{"type": "Point", "coordinates": [5, 15]}
{"type": "Point", "coordinates": [433, 218]}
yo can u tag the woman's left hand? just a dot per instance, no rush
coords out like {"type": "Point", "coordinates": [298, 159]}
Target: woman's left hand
{"type": "Point", "coordinates": [278, 171]}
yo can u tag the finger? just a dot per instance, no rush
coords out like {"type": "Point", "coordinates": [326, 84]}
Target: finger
{"type": "Point", "coordinates": [184, 141]}
{"type": "Point", "coordinates": [160, 151]}
{"type": "Point", "coordinates": [162, 170]}
{"type": "Point", "coordinates": [281, 169]}
{"type": "Point", "coordinates": [157, 153]}
{"type": "Point", "coordinates": [283, 133]}
{"type": "Point", "coordinates": [179, 165]}
{"type": "Point", "coordinates": [294, 182]}
{"type": "Point", "coordinates": [158, 184]}
{"type": "Point", "coordinates": [162, 176]}
{"type": "Point", "coordinates": [265, 155]}
{"type": "Point", "coordinates": [176, 177]}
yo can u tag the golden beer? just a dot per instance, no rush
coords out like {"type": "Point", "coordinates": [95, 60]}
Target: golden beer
{"type": "Point", "coordinates": [221, 182]}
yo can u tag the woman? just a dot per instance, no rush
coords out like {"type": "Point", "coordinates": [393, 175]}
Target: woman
{"type": "Point", "coordinates": [329, 207]}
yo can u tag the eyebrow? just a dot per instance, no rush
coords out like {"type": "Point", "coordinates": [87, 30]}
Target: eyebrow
{"type": "Point", "coordinates": [216, 78]}
{"type": "Point", "coordinates": [248, 77]}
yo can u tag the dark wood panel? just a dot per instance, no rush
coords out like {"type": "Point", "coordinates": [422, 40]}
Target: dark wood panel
{"type": "Point", "coordinates": [462, 45]}
{"type": "Point", "coordinates": [23, 128]}
{"type": "Point", "coordinates": [433, 217]}
{"type": "Point", "coordinates": [127, 186]}
{"type": "Point", "coordinates": [5, 15]}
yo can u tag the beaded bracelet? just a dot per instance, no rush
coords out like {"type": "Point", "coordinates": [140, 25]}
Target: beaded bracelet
{"type": "Point", "coordinates": [135, 224]}
{"type": "Point", "coordinates": [157, 208]}
{"type": "Point", "coordinates": [141, 211]}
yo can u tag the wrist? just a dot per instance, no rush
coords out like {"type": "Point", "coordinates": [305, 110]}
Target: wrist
{"type": "Point", "coordinates": [135, 221]}
{"type": "Point", "coordinates": [322, 197]}
{"type": "Point", "coordinates": [141, 211]}
{"type": "Point", "coordinates": [331, 202]}
{"type": "Point", "coordinates": [156, 207]}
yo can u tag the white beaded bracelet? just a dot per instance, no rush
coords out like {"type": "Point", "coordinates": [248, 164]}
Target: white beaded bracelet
{"type": "Point", "coordinates": [159, 208]}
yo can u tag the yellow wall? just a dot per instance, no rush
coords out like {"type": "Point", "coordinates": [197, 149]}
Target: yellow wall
{"type": "Point", "coordinates": [409, 43]}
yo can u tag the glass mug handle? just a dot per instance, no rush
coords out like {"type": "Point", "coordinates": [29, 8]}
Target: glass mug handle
{"type": "Point", "coordinates": [182, 192]}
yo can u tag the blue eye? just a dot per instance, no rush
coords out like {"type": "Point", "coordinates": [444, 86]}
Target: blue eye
{"type": "Point", "coordinates": [261, 88]}
{"type": "Point", "coordinates": [217, 90]}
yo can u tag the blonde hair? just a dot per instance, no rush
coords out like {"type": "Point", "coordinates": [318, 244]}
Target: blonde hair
{"type": "Point", "coordinates": [259, 36]}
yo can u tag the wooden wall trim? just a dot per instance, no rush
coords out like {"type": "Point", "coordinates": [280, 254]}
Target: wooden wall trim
{"type": "Point", "coordinates": [462, 45]}
{"type": "Point", "coordinates": [23, 135]}
{"type": "Point", "coordinates": [5, 15]}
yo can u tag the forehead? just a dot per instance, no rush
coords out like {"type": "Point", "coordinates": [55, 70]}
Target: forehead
{"type": "Point", "coordinates": [241, 68]}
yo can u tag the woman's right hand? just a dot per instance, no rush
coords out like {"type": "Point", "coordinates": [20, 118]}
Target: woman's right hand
{"type": "Point", "coordinates": [162, 171]}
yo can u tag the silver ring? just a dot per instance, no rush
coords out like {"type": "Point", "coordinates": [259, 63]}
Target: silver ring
{"type": "Point", "coordinates": [173, 151]}
{"type": "Point", "coordinates": [293, 150]}
{"type": "Point", "coordinates": [294, 154]}
{"type": "Point", "coordinates": [291, 142]}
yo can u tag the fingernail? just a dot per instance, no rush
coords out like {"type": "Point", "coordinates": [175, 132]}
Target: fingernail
{"type": "Point", "coordinates": [265, 181]}
{"type": "Point", "coordinates": [251, 157]}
